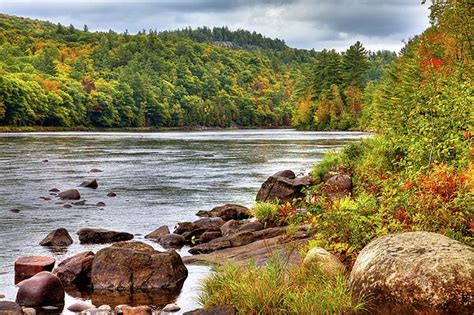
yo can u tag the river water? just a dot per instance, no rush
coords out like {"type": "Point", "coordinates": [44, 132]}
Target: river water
{"type": "Point", "coordinates": [159, 178]}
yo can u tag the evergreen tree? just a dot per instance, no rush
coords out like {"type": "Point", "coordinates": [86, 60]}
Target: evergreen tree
{"type": "Point", "coordinates": [355, 65]}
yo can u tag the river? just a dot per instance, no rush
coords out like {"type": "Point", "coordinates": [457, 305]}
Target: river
{"type": "Point", "coordinates": [159, 178]}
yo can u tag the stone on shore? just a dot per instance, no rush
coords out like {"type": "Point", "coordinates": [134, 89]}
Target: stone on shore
{"type": "Point", "coordinates": [158, 233]}
{"type": "Point", "coordinates": [230, 212]}
{"type": "Point", "coordinates": [209, 236]}
{"type": "Point", "coordinates": [327, 262]}
{"type": "Point", "coordinates": [75, 271]}
{"type": "Point", "coordinates": [229, 227]}
{"type": "Point", "coordinates": [416, 272]}
{"type": "Point", "coordinates": [10, 308]}
{"type": "Point", "coordinates": [282, 188]}
{"type": "Point", "coordinates": [72, 194]}
{"type": "Point", "coordinates": [126, 269]}
{"type": "Point", "coordinates": [102, 236]}
{"type": "Point", "coordinates": [172, 241]}
{"type": "Point", "coordinates": [170, 308]}
{"type": "Point", "coordinates": [90, 184]}
{"type": "Point", "coordinates": [58, 237]}
{"type": "Point", "coordinates": [43, 289]}
{"type": "Point", "coordinates": [28, 266]}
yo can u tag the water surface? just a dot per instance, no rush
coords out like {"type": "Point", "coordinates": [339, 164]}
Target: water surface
{"type": "Point", "coordinates": [159, 178]}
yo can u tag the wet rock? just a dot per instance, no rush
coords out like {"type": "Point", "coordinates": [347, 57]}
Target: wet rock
{"type": "Point", "coordinates": [53, 194]}
{"type": "Point", "coordinates": [54, 190]}
{"type": "Point", "coordinates": [327, 262]}
{"type": "Point", "coordinates": [10, 308]}
{"type": "Point", "coordinates": [138, 310]}
{"type": "Point", "coordinates": [158, 233]}
{"type": "Point", "coordinates": [28, 311]}
{"type": "Point", "coordinates": [125, 269]}
{"type": "Point", "coordinates": [80, 306]}
{"type": "Point", "coordinates": [230, 212]}
{"type": "Point", "coordinates": [172, 241]}
{"type": "Point", "coordinates": [45, 198]}
{"type": "Point", "coordinates": [286, 174]}
{"type": "Point", "coordinates": [15, 210]}
{"type": "Point", "coordinates": [28, 266]}
{"type": "Point", "coordinates": [58, 237]}
{"type": "Point", "coordinates": [111, 194]}
{"type": "Point", "coordinates": [211, 246]}
{"type": "Point", "coordinates": [79, 203]}
{"type": "Point", "coordinates": [241, 238]}
{"type": "Point", "coordinates": [170, 308]}
{"type": "Point", "coordinates": [42, 289]}
{"type": "Point", "coordinates": [416, 272]}
{"type": "Point", "coordinates": [102, 236]}
{"type": "Point", "coordinates": [209, 236]}
{"type": "Point", "coordinates": [72, 194]}
{"type": "Point", "coordinates": [100, 204]}
{"type": "Point", "coordinates": [134, 245]}
{"type": "Point", "coordinates": [67, 206]}
{"type": "Point", "coordinates": [230, 227]}
{"type": "Point", "coordinates": [219, 310]}
{"type": "Point", "coordinates": [183, 227]}
{"type": "Point", "coordinates": [95, 170]}
{"type": "Point", "coordinates": [75, 271]}
{"type": "Point", "coordinates": [282, 189]}
{"type": "Point", "coordinates": [203, 214]}
{"type": "Point", "coordinates": [339, 185]}
{"type": "Point", "coordinates": [45, 161]}
{"type": "Point", "coordinates": [90, 184]}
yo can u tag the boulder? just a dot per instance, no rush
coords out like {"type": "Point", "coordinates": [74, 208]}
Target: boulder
{"type": "Point", "coordinates": [125, 269]}
{"type": "Point", "coordinates": [230, 227]}
{"type": "Point", "coordinates": [251, 227]}
{"type": "Point", "coordinates": [230, 212]}
{"type": "Point", "coordinates": [158, 233]}
{"type": "Point", "coordinates": [135, 245]}
{"type": "Point", "coordinates": [286, 174]}
{"type": "Point", "coordinates": [100, 204]}
{"type": "Point", "coordinates": [215, 244]}
{"type": "Point", "coordinates": [90, 184]}
{"type": "Point", "coordinates": [241, 238]}
{"type": "Point", "coordinates": [137, 310]}
{"type": "Point", "coordinates": [75, 271]}
{"type": "Point", "coordinates": [111, 194]}
{"type": "Point", "coordinates": [79, 203]}
{"type": "Point", "coordinates": [282, 188]}
{"type": "Point", "coordinates": [218, 310]}
{"type": "Point", "coordinates": [209, 236]}
{"type": "Point", "coordinates": [80, 306]}
{"type": "Point", "coordinates": [327, 262]}
{"type": "Point", "coordinates": [10, 308]}
{"type": "Point", "coordinates": [72, 194]}
{"type": "Point", "coordinates": [43, 289]}
{"type": "Point", "coordinates": [54, 190]}
{"type": "Point", "coordinates": [193, 230]}
{"type": "Point", "coordinates": [203, 214]}
{"type": "Point", "coordinates": [59, 237]}
{"type": "Point", "coordinates": [170, 308]}
{"type": "Point", "coordinates": [172, 241]}
{"type": "Point", "coordinates": [67, 206]}
{"type": "Point", "coordinates": [416, 273]}
{"type": "Point", "coordinates": [339, 185]}
{"type": "Point", "coordinates": [28, 266]}
{"type": "Point", "coordinates": [102, 236]}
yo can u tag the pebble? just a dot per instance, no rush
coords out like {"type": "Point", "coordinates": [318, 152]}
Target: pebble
{"type": "Point", "coordinates": [172, 307]}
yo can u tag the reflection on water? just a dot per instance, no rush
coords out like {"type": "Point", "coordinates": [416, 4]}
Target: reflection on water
{"type": "Point", "coordinates": [159, 178]}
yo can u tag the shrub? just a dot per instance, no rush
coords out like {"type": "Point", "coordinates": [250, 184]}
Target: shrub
{"type": "Point", "coordinates": [267, 213]}
{"type": "Point", "coordinates": [277, 288]}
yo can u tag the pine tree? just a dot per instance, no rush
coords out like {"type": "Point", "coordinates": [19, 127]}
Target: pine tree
{"type": "Point", "coordinates": [355, 65]}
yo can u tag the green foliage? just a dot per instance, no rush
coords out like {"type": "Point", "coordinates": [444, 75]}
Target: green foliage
{"type": "Point", "coordinates": [277, 288]}
{"type": "Point", "coordinates": [267, 213]}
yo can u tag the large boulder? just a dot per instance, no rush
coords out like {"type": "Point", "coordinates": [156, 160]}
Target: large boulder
{"type": "Point", "coordinates": [327, 262]}
{"type": "Point", "coordinates": [102, 236]}
{"type": "Point", "coordinates": [172, 241]}
{"type": "Point", "coordinates": [75, 271]}
{"type": "Point", "coordinates": [28, 266]}
{"type": "Point", "coordinates": [230, 227]}
{"type": "Point", "coordinates": [282, 189]}
{"type": "Point", "coordinates": [415, 273]}
{"type": "Point", "coordinates": [72, 194]}
{"type": "Point", "coordinates": [158, 233]}
{"type": "Point", "coordinates": [230, 212]}
{"type": "Point", "coordinates": [43, 289]}
{"type": "Point", "coordinates": [126, 269]}
{"type": "Point", "coordinates": [192, 231]}
{"type": "Point", "coordinates": [59, 237]}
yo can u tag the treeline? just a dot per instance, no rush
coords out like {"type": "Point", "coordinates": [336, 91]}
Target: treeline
{"type": "Point", "coordinates": [56, 75]}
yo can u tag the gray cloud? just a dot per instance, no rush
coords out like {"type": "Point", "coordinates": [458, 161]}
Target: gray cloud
{"type": "Point", "coordinates": [301, 23]}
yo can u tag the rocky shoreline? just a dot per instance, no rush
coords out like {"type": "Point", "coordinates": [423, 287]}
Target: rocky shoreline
{"type": "Point", "coordinates": [384, 270]}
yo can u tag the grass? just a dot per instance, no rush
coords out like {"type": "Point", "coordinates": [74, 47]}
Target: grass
{"type": "Point", "coordinates": [267, 213]}
{"type": "Point", "coordinates": [278, 288]}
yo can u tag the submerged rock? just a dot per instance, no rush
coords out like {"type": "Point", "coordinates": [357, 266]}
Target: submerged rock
{"type": "Point", "coordinates": [127, 269]}
{"type": "Point", "coordinates": [72, 194]}
{"type": "Point", "coordinates": [111, 194]}
{"type": "Point", "coordinates": [416, 272]}
{"type": "Point", "coordinates": [95, 170]}
{"type": "Point", "coordinates": [100, 204]}
{"type": "Point", "coordinates": [43, 289]}
{"type": "Point", "coordinates": [75, 271]}
{"type": "Point", "coordinates": [90, 184]}
{"type": "Point", "coordinates": [102, 236]}
{"type": "Point", "coordinates": [59, 237]}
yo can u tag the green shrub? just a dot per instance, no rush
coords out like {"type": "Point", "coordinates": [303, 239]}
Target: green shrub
{"type": "Point", "coordinates": [277, 288]}
{"type": "Point", "coordinates": [267, 213]}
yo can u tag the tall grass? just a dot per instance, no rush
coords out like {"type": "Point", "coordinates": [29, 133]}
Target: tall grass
{"type": "Point", "coordinates": [278, 288]}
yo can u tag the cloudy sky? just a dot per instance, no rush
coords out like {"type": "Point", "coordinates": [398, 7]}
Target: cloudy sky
{"type": "Point", "coordinates": [318, 24]}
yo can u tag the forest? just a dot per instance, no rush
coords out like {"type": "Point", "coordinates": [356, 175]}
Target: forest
{"type": "Point", "coordinates": [60, 76]}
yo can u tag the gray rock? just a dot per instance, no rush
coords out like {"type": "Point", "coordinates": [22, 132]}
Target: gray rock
{"type": "Point", "coordinates": [416, 272]}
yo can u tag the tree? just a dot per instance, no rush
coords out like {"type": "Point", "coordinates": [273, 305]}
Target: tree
{"type": "Point", "coordinates": [86, 28]}
{"type": "Point", "coordinates": [355, 65]}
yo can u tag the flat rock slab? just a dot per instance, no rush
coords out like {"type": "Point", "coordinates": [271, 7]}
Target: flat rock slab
{"type": "Point", "coordinates": [261, 251]}
{"type": "Point", "coordinates": [28, 266]}
{"type": "Point", "coordinates": [102, 236]}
